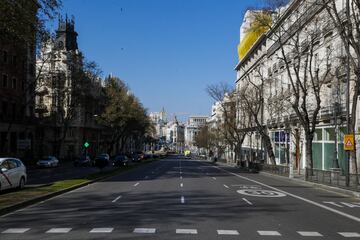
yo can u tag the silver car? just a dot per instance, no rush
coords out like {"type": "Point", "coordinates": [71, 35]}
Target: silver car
{"type": "Point", "coordinates": [12, 173]}
{"type": "Point", "coordinates": [48, 161]}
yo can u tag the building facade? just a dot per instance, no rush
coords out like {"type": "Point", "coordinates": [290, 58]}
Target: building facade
{"type": "Point", "coordinates": [301, 47]}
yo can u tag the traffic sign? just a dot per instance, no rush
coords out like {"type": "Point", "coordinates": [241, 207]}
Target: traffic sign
{"type": "Point", "coordinates": [86, 144]}
{"type": "Point", "coordinates": [349, 142]}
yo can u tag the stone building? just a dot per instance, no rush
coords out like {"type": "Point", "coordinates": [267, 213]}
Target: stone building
{"type": "Point", "coordinates": [302, 36]}
{"type": "Point", "coordinates": [67, 100]}
{"type": "Point", "coordinates": [192, 128]}
{"type": "Point", "coordinates": [17, 75]}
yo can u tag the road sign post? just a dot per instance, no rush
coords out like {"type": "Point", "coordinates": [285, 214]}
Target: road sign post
{"type": "Point", "coordinates": [349, 142]}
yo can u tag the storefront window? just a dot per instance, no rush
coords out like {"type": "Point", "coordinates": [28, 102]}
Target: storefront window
{"type": "Point", "coordinates": [329, 134]}
{"type": "Point", "coordinates": [318, 135]}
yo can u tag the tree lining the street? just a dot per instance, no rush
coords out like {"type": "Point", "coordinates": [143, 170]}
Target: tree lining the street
{"type": "Point", "coordinates": [306, 70]}
{"type": "Point", "coordinates": [123, 114]}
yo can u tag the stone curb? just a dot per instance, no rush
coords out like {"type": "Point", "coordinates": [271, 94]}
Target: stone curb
{"type": "Point", "coordinates": [32, 201]}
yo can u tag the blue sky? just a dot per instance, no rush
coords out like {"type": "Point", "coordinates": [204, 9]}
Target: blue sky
{"type": "Point", "coordinates": [167, 51]}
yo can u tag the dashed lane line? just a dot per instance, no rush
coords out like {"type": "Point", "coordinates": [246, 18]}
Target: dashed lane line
{"type": "Point", "coordinates": [136, 184]}
{"type": "Point", "coordinates": [182, 199]}
{"type": "Point", "coordinates": [226, 186]}
{"type": "Point", "coordinates": [309, 234]}
{"type": "Point", "coordinates": [145, 230]}
{"type": "Point", "coordinates": [349, 234]}
{"type": "Point", "coordinates": [227, 232]}
{"type": "Point", "coordinates": [269, 233]}
{"type": "Point", "coordinates": [181, 185]}
{"type": "Point", "coordinates": [116, 199]}
{"type": "Point", "coordinates": [247, 201]}
{"type": "Point", "coordinates": [101, 230]}
{"type": "Point", "coordinates": [59, 230]}
{"type": "Point", "coordinates": [186, 231]}
{"type": "Point", "coordinates": [16, 230]}
{"type": "Point", "coordinates": [295, 196]}
{"type": "Point", "coordinates": [214, 178]}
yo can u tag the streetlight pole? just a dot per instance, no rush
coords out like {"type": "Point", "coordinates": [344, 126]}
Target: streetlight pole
{"type": "Point", "coordinates": [347, 45]}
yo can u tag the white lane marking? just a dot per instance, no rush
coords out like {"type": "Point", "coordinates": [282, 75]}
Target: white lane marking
{"type": "Point", "coordinates": [136, 184]}
{"type": "Point", "coordinates": [59, 230]}
{"type": "Point", "coordinates": [350, 205]}
{"type": "Point", "coordinates": [349, 234]}
{"type": "Point", "coordinates": [214, 178]}
{"type": "Point", "coordinates": [333, 203]}
{"type": "Point", "coordinates": [181, 185]}
{"type": "Point", "coordinates": [296, 196]}
{"type": "Point", "coordinates": [309, 234]}
{"type": "Point", "coordinates": [269, 233]}
{"type": "Point", "coordinates": [247, 201]}
{"type": "Point", "coordinates": [186, 231]}
{"type": "Point", "coordinates": [227, 232]}
{"type": "Point", "coordinates": [116, 199]}
{"type": "Point", "coordinates": [16, 230]}
{"type": "Point", "coordinates": [144, 230]}
{"type": "Point", "coordinates": [182, 199]}
{"type": "Point", "coordinates": [226, 186]}
{"type": "Point", "coordinates": [101, 230]}
{"type": "Point", "coordinates": [180, 177]}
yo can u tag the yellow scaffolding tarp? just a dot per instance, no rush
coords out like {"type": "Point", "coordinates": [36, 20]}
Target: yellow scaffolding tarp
{"type": "Point", "coordinates": [259, 26]}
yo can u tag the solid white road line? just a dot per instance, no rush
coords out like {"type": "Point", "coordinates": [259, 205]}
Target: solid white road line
{"type": "Point", "coordinates": [226, 186]}
{"type": "Point", "coordinates": [227, 232]}
{"type": "Point", "coordinates": [101, 230]}
{"type": "Point", "coordinates": [357, 219]}
{"type": "Point", "coordinates": [349, 234]}
{"type": "Point", "coordinates": [186, 231]}
{"type": "Point", "coordinates": [136, 184]}
{"type": "Point", "coordinates": [16, 230]}
{"type": "Point", "coordinates": [182, 199]}
{"type": "Point", "coordinates": [181, 185]}
{"type": "Point", "coordinates": [247, 201]}
{"type": "Point", "coordinates": [309, 234]}
{"type": "Point", "coordinates": [269, 233]}
{"type": "Point", "coordinates": [116, 199]}
{"type": "Point", "coordinates": [59, 230]}
{"type": "Point", "coordinates": [214, 178]}
{"type": "Point", "coordinates": [144, 230]}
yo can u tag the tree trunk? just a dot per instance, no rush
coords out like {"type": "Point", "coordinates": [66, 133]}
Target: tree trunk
{"type": "Point", "coordinates": [309, 156]}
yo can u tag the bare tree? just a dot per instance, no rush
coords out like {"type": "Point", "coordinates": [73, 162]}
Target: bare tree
{"type": "Point", "coordinates": [345, 18]}
{"type": "Point", "coordinates": [294, 50]}
{"type": "Point", "coordinates": [235, 124]}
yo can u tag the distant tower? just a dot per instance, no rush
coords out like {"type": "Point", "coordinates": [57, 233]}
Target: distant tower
{"type": "Point", "coordinates": [66, 36]}
{"type": "Point", "coordinates": [162, 114]}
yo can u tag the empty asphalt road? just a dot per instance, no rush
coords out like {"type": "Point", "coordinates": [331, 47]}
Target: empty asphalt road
{"type": "Point", "coordinates": [177, 198]}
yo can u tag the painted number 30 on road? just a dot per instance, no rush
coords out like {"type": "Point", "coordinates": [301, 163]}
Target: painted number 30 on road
{"type": "Point", "coordinates": [261, 193]}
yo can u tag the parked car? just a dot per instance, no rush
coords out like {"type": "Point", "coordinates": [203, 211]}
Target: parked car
{"type": "Point", "coordinates": [48, 161]}
{"type": "Point", "coordinates": [120, 160]}
{"type": "Point", "coordinates": [83, 161]}
{"type": "Point", "coordinates": [12, 173]}
{"type": "Point", "coordinates": [136, 157]}
{"type": "Point", "coordinates": [102, 160]}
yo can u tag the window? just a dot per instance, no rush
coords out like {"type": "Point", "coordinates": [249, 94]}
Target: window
{"type": "Point", "coordinates": [4, 165]}
{"type": "Point", "coordinates": [329, 134]}
{"type": "Point", "coordinates": [14, 60]}
{"type": "Point", "coordinates": [4, 81]}
{"type": "Point", "coordinates": [14, 83]}
{"type": "Point", "coordinates": [4, 56]}
{"type": "Point", "coordinates": [4, 108]}
{"type": "Point", "coordinates": [12, 164]}
{"type": "Point", "coordinates": [14, 110]}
